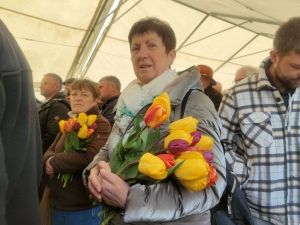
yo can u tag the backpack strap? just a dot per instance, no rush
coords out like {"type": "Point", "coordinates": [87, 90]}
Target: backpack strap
{"type": "Point", "coordinates": [185, 99]}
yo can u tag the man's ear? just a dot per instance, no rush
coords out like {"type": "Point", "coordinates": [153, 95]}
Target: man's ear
{"type": "Point", "coordinates": [274, 57]}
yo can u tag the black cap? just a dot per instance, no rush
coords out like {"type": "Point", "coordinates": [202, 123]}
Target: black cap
{"type": "Point", "coordinates": [69, 81]}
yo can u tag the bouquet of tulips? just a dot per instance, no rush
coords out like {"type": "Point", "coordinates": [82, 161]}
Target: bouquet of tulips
{"type": "Point", "coordinates": [186, 154]}
{"type": "Point", "coordinates": [79, 131]}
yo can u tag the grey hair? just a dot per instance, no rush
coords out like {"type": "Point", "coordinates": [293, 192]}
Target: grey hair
{"type": "Point", "coordinates": [112, 79]}
{"type": "Point", "coordinates": [249, 70]}
{"type": "Point", "coordinates": [56, 77]}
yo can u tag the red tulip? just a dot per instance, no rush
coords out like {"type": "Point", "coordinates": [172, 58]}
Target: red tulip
{"type": "Point", "coordinates": [155, 116]}
{"type": "Point", "coordinates": [168, 160]}
{"type": "Point", "coordinates": [89, 133]}
{"type": "Point", "coordinates": [212, 176]}
{"type": "Point", "coordinates": [177, 146]}
{"type": "Point", "coordinates": [67, 127]}
{"type": "Point", "coordinates": [196, 137]}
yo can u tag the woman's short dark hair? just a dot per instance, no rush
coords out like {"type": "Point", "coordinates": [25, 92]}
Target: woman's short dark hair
{"type": "Point", "coordinates": [158, 26]}
{"type": "Point", "coordinates": [88, 85]}
{"type": "Point", "coordinates": [287, 37]}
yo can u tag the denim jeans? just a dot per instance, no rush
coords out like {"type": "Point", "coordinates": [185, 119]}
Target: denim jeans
{"type": "Point", "coordinates": [83, 217]}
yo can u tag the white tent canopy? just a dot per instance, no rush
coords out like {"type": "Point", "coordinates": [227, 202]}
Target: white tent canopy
{"type": "Point", "coordinates": [59, 36]}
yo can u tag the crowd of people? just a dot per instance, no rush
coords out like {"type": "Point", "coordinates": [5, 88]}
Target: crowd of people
{"type": "Point", "coordinates": [254, 124]}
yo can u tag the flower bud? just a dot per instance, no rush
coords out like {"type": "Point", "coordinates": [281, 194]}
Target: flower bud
{"type": "Point", "coordinates": [168, 159]}
{"type": "Point", "coordinates": [91, 119]}
{"type": "Point", "coordinates": [61, 126]}
{"type": "Point", "coordinates": [82, 118]}
{"type": "Point", "coordinates": [196, 137]}
{"type": "Point", "coordinates": [82, 133]}
{"type": "Point", "coordinates": [76, 126]}
{"type": "Point", "coordinates": [152, 166]}
{"type": "Point", "coordinates": [89, 133]}
{"type": "Point", "coordinates": [177, 146]}
{"type": "Point", "coordinates": [94, 126]}
{"type": "Point", "coordinates": [67, 127]}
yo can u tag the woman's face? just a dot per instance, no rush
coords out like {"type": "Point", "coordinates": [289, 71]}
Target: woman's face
{"type": "Point", "coordinates": [82, 101]}
{"type": "Point", "coordinates": [149, 57]}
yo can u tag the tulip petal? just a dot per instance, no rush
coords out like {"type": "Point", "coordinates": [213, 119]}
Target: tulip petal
{"type": "Point", "coordinates": [177, 146]}
{"type": "Point", "coordinates": [82, 118]}
{"type": "Point", "coordinates": [178, 134]}
{"type": "Point", "coordinates": [194, 185]}
{"type": "Point", "coordinates": [187, 124]}
{"type": "Point", "coordinates": [152, 166]}
{"type": "Point", "coordinates": [196, 137]}
{"type": "Point", "coordinates": [82, 132]}
{"type": "Point", "coordinates": [62, 126]}
{"type": "Point", "coordinates": [90, 120]}
{"type": "Point", "coordinates": [205, 143]}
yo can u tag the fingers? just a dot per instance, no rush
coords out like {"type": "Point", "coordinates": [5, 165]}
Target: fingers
{"type": "Point", "coordinates": [94, 183]}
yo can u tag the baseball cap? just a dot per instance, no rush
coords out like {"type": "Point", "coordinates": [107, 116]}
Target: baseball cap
{"type": "Point", "coordinates": [208, 72]}
{"type": "Point", "coordinates": [69, 81]}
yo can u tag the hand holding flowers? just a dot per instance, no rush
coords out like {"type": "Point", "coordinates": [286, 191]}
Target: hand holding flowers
{"type": "Point", "coordinates": [79, 131]}
{"type": "Point", "coordinates": [184, 157]}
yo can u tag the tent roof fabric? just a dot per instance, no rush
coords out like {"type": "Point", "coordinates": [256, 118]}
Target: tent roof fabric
{"type": "Point", "coordinates": [223, 34]}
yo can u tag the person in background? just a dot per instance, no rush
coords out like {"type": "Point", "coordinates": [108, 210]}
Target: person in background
{"type": "Point", "coordinates": [152, 46]}
{"type": "Point", "coordinates": [68, 83]}
{"type": "Point", "coordinates": [260, 117]}
{"type": "Point", "coordinates": [51, 111]}
{"type": "Point", "coordinates": [109, 87]}
{"type": "Point", "coordinates": [71, 205]}
{"type": "Point", "coordinates": [218, 86]}
{"type": "Point", "coordinates": [207, 83]}
{"type": "Point", "coordinates": [243, 72]}
{"type": "Point", "coordinates": [20, 139]}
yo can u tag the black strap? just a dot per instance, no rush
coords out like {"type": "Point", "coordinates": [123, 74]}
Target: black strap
{"type": "Point", "coordinates": [184, 101]}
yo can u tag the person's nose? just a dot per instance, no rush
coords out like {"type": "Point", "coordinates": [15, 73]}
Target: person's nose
{"type": "Point", "coordinates": [143, 53]}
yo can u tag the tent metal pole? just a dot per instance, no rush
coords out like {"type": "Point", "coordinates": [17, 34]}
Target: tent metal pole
{"type": "Point", "coordinates": [192, 32]}
{"type": "Point", "coordinates": [216, 33]}
{"type": "Point", "coordinates": [236, 53]}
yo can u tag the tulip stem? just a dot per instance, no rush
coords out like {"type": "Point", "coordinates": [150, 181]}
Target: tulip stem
{"type": "Point", "coordinates": [155, 142]}
{"type": "Point", "coordinates": [127, 166]}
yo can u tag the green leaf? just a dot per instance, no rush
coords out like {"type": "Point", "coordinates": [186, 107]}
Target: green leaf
{"type": "Point", "coordinates": [136, 128]}
{"type": "Point", "coordinates": [74, 139]}
{"type": "Point", "coordinates": [148, 179]}
{"type": "Point", "coordinates": [117, 157]}
{"type": "Point", "coordinates": [172, 169]}
{"type": "Point", "coordinates": [152, 138]}
{"type": "Point", "coordinates": [130, 172]}
{"type": "Point", "coordinates": [68, 144]}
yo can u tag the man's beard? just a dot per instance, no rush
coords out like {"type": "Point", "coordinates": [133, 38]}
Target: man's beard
{"type": "Point", "coordinates": [288, 82]}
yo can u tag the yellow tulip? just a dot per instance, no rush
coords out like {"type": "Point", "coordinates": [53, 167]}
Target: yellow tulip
{"type": "Point", "coordinates": [193, 168]}
{"type": "Point", "coordinates": [159, 111]}
{"type": "Point", "coordinates": [82, 118]}
{"type": "Point", "coordinates": [194, 185]}
{"type": "Point", "coordinates": [82, 133]}
{"type": "Point", "coordinates": [163, 100]}
{"type": "Point", "coordinates": [152, 166]}
{"type": "Point", "coordinates": [187, 124]}
{"type": "Point", "coordinates": [178, 134]}
{"type": "Point", "coordinates": [205, 143]}
{"type": "Point", "coordinates": [91, 119]}
{"type": "Point", "coordinates": [62, 126]}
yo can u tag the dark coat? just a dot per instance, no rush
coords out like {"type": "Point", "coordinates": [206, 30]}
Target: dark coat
{"type": "Point", "coordinates": [20, 140]}
{"type": "Point", "coordinates": [107, 109]}
{"type": "Point", "coordinates": [214, 95]}
{"type": "Point", "coordinates": [50, 113]}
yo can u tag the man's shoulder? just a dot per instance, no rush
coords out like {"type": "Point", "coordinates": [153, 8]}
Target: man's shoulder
{"type": "Point", "coordinates": [58, 101]}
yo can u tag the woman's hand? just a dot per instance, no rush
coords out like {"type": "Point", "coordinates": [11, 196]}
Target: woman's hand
{"type": "Point", "coordinates": [49, 168]}
{"type": "Point", "coordinates": [94, 182]}
{"type": "Point", "coordinates": [114, 190]}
